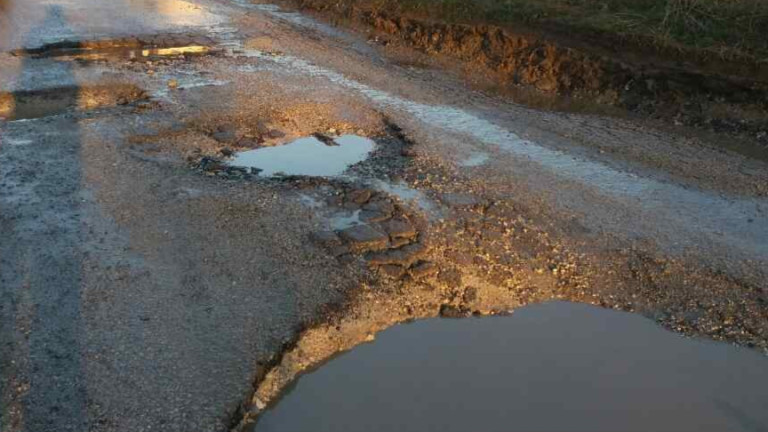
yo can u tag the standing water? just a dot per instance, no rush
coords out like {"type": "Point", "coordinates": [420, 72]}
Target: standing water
{"type": "Point", "coordinates": [551, 367]}
{"type": "Point", "coordinates": [307, 157]}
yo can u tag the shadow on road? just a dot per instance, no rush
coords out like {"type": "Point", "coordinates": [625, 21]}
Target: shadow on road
{"type": "Point", "coordinates": [42, 384]}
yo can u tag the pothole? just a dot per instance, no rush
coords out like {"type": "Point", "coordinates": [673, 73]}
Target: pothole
{"type": "Point", "coordinates": [145, 48]}
{"type": "Point", "coordinates": [556, 367]}
{"type": "Point", "coordinates": [316, 156]}
{"type": "Point", "coordinates": [30, 104]}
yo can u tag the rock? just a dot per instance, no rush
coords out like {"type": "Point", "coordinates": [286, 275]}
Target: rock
{"type": "Point", "coordinates": [338, 250]}
{"type": "Point", "coordinates": [227, 152]}
{"type": "Point", "coordinates": [365, 237]}
{"type": "Point", "coordinates": [249, 142]}
{"type": "Point", "coordinates": [404, 256]}
{"type": "Point", "coordinates": [325, 139]}
{"type": "Point", "coordinates": [460, 200]}
{"type": "Point", "coordinates": [399, 242]}
{"type": "Point", "coordinates": [326, 238]}
{"type": "Point", "coordinates": [399, 228]}
{"type": "Point", "coordinates": [373, 216]}
{"type": "Point", "coordinates": [448, 311]}
{"type": "Point", "coordinates": [392, 271]}
{"type": "Point", "coordinates": [360, 196]}
{"type": "Point", "coordinates": [470, 295]}
{"type": "Point", "coordinates": [210, 164]}
{"type": "Point", "coordinates": [274, 133]}
{"type": "Point", "coordinates": [173, 84]}
{"type": "Point", "coordinates": [383, 206]}
{"type": "Point", "coordinates": [423, 270]}
{"type": "Point", "coordinates": [225, 134]}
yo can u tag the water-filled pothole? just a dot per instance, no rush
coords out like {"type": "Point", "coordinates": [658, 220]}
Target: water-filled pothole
{"type": "Point", "coordinates": [552, 367]}
{"type": "Point", "coordinates": [307, 157]}
{"type": "Point", "coordinates": [138, 49]}
{"type": "Point", "coordinates": [29, 104]}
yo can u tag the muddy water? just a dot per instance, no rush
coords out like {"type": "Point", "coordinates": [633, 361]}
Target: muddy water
{"type": "Point", "coordinates": [551, 367]}
{"type": "Point", "coordinates": [307, 157]}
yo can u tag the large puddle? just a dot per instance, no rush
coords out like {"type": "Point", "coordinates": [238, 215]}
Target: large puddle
{"type": "Point", "coordinates": [307, 157]}
{"type": "Point", "coordinates": [551, 367]}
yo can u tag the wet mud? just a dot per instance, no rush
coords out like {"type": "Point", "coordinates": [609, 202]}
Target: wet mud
{"type": "Point", "coordinates": [731, 102]}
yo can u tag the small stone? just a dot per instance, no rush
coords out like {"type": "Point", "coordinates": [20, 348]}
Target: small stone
{"type": "Point", "coordinates": [383, 206]}
{"type": "Point", "coordinates": [173, 84]}
{"type": "Point", "coordinates": [338, 250]}
{"type": "Point", "coordinates": [365, 237]}
{"type": "Point", "coordinates": [392, 271]}
{"type": "Point", "coordinates": [326, 238]}
{"type": "Point", "coordinates": [424, 269]}
{"type": "Point", "coordinates": [226, 151]}
{"type": "Point", "coordinates": [373, 216]}
{"type": "Point", "coordinates": [399, 242]}
{"type": "Point", "coordinates": [404, 256]}
{"type": "Point", "coordinates": [360, 196]}
{"type": "Point", "coordinates": [399, 228]}
{"type": "Point", "coordinates": [225, 134]}
{"type": "Point", "coordinates": [470, 295]}
{"type": "Point", "coordinates": [449, 311]}
{"type": "Point", "coordinates": [460, 200]}
{"type": "Point", "coordinates": [274, 133]}
{"type": "Point", "coordinates": [258, 403]}
{"type": "Point", "coordinates": [325, 139]}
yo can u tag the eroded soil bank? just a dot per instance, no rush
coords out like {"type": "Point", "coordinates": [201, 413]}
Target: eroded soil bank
{"type": "Point", "coordinates": [578, 72]}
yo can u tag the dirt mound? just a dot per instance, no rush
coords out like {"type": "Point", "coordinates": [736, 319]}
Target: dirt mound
{"type": "Point", "coordinates": [682, 93]}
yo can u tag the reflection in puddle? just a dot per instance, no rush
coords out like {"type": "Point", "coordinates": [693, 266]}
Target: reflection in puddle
{"type": "Point", "coordinates": [552, 367]}
{"type": "Point", "coordinates": [307, 157]}
{"type": "Point", "coordinates": [52, 101]}
{"type": "Point", "coordinates": [112, 50]}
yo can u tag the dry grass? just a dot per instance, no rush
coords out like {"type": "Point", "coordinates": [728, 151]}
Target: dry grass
{"type": "Point", "coordinates": [731, 29]}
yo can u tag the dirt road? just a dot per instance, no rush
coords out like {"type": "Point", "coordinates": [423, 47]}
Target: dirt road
{"type": "Point", "coordinates": [146, 284]}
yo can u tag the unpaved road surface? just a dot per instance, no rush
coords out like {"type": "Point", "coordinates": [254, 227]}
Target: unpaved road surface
{"type": "Point", "coordinates": [145, 285]}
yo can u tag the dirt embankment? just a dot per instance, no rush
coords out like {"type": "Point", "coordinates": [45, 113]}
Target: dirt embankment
{"type": "Point", "coordinates": [719, 97]}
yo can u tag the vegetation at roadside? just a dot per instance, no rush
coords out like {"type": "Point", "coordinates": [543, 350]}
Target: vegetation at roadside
{"type": "Point", "coordinates": [727, 29]}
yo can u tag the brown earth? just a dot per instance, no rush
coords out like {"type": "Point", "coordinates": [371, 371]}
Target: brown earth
{"type": "Point", "coordinates": [713, 95]}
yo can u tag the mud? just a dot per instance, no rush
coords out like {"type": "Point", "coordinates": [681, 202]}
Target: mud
{"type": "Point", "coordinates": [679, 93]}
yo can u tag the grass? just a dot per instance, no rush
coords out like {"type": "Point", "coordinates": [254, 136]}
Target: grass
{"type": "Point", "coordinates": [727, 29]}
